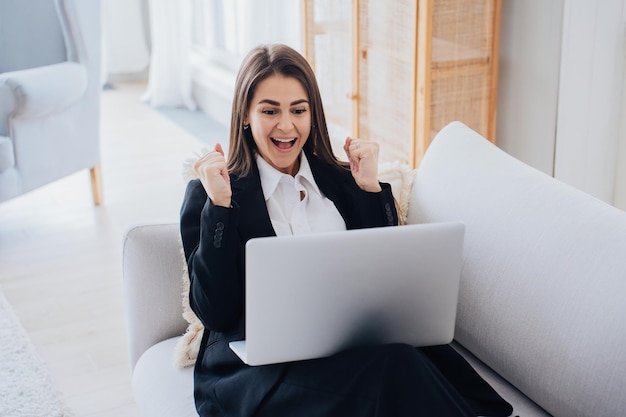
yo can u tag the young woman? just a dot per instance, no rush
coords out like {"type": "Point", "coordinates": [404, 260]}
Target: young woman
{"type": "Point", "coordinates": [281, 178]}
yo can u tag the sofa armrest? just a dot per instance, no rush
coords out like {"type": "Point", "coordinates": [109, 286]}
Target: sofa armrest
{"type": "Point", "coordinates": [39, 91]}
{"type": "Point", "coordinates": [152, 269]}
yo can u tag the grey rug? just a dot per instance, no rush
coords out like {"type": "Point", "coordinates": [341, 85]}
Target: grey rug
{"type": "Point", "coordinates": [26, 388]}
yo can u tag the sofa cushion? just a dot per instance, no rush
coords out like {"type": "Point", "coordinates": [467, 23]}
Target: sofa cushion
{"type": "Point", "coordinates": [541, 297]}
{"type": "Point", "coordinates": [161, 388]}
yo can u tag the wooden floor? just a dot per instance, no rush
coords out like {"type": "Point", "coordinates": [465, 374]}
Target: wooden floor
{"type": "Point", "coordinates": [60, 256]}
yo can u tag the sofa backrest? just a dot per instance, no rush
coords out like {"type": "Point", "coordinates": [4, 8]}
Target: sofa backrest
{"type": "Point", "coordinates": [544, 274]}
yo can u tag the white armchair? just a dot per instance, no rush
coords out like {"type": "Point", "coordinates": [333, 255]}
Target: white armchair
{"type": "Point", "coordinates": [50, 83]}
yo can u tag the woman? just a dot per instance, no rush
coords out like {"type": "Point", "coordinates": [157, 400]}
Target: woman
{"type": "Point", "coordinates": [281, 178]}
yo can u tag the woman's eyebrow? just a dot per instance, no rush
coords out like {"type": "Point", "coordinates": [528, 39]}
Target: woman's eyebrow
{"type": "Point", "coordinates": [302, 100]}
{"type": "Point", "coordinates": [270, 102]}
{"type": "Point", "coordinates": [276, 103]}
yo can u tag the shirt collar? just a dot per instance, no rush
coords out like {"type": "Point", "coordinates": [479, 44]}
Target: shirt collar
{"type": "Point", "coordinates": [270, 176]}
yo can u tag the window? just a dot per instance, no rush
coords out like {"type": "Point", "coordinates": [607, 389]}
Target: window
{"type": "Point", "coordinates": [215, 31]}
{"type": "Point", "coordinates": [223, 31]}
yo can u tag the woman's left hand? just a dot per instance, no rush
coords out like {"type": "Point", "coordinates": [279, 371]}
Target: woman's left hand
{"type": "Point", "coordinates": [363, 158]}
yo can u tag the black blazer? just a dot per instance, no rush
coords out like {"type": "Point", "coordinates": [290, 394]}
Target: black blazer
{"type": "Point", "coordinates": [214, 243]}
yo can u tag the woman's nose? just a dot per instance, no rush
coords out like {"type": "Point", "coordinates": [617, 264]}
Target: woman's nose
{"type": "Point", "coordinates": [284, 122]}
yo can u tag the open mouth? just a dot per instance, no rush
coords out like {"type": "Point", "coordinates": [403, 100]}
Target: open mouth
{"type": "Point", "coordinates": [284, 143]}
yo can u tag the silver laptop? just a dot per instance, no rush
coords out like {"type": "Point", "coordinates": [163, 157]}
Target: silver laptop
{"type": "Point", "coordinates": [310, 296]}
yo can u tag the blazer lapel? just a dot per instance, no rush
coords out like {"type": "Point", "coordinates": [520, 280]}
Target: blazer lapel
{"type": "Point", "coordinates": [254, 219]}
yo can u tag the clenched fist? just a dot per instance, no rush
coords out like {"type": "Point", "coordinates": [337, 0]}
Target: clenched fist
{"type": "Point", "coordinates": [363, 158]}
{"type": "Point", "coordinates": [212, 172]}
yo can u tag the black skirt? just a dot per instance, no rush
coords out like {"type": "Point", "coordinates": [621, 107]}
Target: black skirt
{"type": "Point", "coordinates": [387, 380]}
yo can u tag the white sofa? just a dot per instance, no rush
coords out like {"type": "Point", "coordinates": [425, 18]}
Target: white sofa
{"type": "Point", "coordinates": [541, 314]}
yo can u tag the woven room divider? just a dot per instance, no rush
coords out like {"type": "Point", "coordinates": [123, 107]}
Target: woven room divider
{"type": "Point", "coordinates": [398, 71]}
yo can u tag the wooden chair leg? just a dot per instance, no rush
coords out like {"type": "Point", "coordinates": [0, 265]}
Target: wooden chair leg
{"type": "Point", "coordinates": [96, 184]}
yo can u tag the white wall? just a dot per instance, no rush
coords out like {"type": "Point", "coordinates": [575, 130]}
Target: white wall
{"type": "Point", "coordinates": [620, 178]}
{"type": "Point", "coordinates": [590, 94]}
{"type": "Point", "coordinates": [528, 80]}
{"type": "Point", "coordinates": [560, 106]}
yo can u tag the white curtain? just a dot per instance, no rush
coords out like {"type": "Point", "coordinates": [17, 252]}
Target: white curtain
{"type": "Point", "coordinates": [169, 81]}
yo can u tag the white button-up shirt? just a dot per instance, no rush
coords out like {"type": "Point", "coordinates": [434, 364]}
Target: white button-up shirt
{"type": "Point", "coordinates": [295, 204]}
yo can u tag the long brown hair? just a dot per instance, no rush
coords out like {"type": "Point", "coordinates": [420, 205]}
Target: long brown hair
{"type": "Point", "coordinates": [260, 63]}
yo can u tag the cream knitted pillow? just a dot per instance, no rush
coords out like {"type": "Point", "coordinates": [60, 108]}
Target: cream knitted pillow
{"type": "Point", "coordinates": [399, 176]}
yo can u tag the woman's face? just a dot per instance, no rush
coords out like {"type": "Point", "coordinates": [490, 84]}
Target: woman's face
{"type": "Point", "coordinates": [280, 121]}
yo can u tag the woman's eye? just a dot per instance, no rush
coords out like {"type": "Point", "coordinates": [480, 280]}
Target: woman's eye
{"type": "Point", "coordinates": [299, 111]}
{"type": "Point", "coordinates": [269, 112]}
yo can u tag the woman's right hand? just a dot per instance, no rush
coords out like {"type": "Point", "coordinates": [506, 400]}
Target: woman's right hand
{"type": "Point", "coordinates": [212, 172]}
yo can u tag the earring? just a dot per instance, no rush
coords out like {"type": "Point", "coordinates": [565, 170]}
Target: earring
{"type": "Point", "coordinates": [246, 126]}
